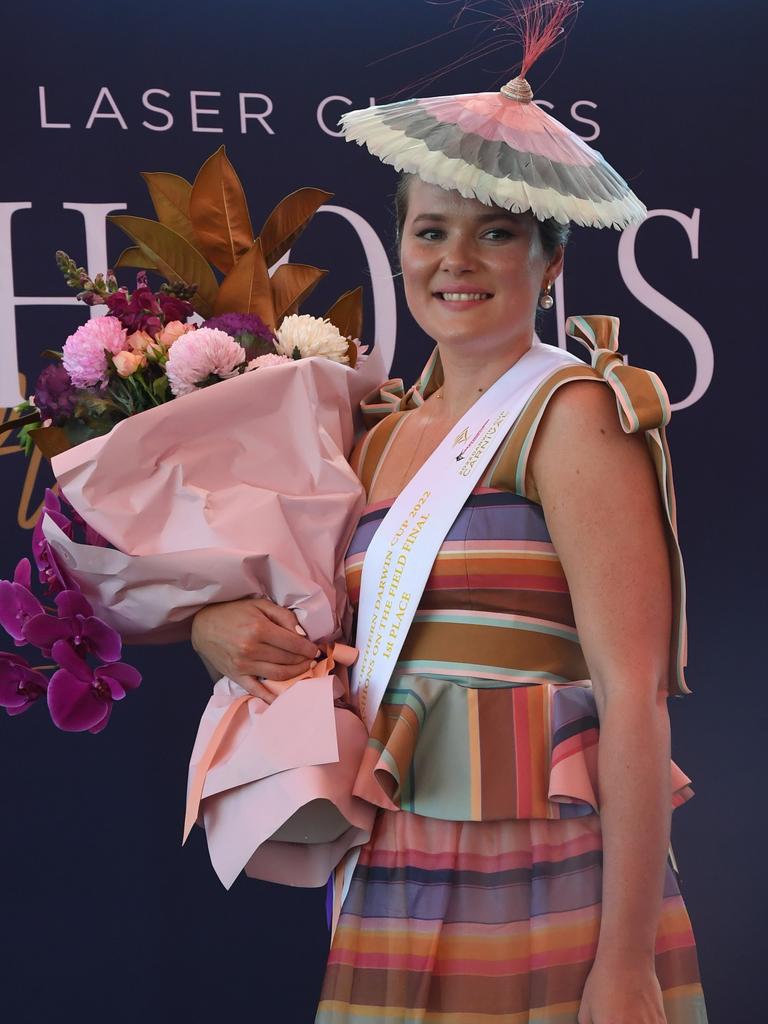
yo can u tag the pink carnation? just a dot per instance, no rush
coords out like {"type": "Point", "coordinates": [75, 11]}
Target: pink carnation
{"type": "Point", "coordinates": [270, 359]}
{"type": "Point", "coordinates": [84, 356]}
{"type": "Point", "coordinates": [200, 354]}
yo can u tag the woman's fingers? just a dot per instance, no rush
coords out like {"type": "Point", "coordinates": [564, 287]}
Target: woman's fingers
{"type": "Point", "coordinates": [255, 687]}
{"type": "Point", "coordinates": [268, 687]}
{"type": "Point", "coordinates": [269, 670]}
{"type": "Point", "coordinates": [277, 656]}
{"type": "Point", "coordinates": [280, 616]}
{"type": "Point", "coordinates": [281, 629]}
{"type": "Point", "coordinates": [252, 637]}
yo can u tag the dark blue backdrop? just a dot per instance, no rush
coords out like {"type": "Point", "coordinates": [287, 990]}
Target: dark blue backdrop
{"type": "Point", "coordinates": [103, 914]}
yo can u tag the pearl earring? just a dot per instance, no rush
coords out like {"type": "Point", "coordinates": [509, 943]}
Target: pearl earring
{"type": "Point", "coordinates": [545, 299]}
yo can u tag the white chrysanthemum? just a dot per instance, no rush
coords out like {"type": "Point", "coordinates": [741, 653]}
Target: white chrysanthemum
{"type": "Point", "coordinates": [203, 353]}
{"type": "Point", "coordinates": [312, 337]}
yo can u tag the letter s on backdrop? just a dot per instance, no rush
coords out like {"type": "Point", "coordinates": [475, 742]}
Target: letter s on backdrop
{"type": "Point", "coordinates": [691, 329]}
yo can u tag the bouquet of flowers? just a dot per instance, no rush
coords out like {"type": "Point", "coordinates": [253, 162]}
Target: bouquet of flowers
{"type": "Point", "coordinates": [200, 493]}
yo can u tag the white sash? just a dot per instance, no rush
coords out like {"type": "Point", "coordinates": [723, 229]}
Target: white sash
{"type": "Point", "coordinates": [402, 552]}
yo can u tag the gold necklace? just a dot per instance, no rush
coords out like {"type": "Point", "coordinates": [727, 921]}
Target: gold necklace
{"type": "Point", "coordinates": [428, 421]}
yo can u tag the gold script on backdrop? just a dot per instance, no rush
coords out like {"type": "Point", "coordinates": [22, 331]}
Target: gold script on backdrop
{"type": "Point", "coordinates": [25, 517]}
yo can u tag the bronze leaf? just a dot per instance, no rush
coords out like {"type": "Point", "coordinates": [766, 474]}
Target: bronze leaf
{"type": "Point", "coordinates": [219, 212]}
{"type": "Point", "coordinates": [20, 421]}
{"type": "Point", "coordinates": [288, 220]}
{"type": "Point", "coordinates": [134, 256]}
{"type": "Point", "coordinates": [51, 441]}
{"type": "Point", "coordinates": [247, 288]}
{"type": "Point", "coordinates": [170, 194]}
{"type": "Point", "coordinates": [291, 284]}
{"type": "Point", "coordinates": [346, 314]}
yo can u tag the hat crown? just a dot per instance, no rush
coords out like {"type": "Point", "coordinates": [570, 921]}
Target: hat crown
{"type": "Point", "coordinates": [518, 89]}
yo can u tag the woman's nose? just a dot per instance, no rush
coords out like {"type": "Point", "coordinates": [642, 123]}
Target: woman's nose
{"type": "Point", "coordinates": [458, 255]}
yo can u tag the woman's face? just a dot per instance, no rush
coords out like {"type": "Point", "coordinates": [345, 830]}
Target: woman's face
{"type": "Point", "coordinates": [473, 273]}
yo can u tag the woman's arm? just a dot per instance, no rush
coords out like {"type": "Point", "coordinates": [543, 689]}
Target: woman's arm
{"type": "Point", "coordinates": [601, 501]}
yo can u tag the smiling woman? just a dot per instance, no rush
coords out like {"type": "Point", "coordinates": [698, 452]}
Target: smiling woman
{"type": "Point", "coordinates": [472, 276]}
{"type": "Point", "coordinates": [519, 867]}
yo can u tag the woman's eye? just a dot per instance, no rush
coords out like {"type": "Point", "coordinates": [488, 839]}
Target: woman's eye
{"type": "Point", "coordinates": [429, 234]}
{"type": "Point", "coordinates": [499, 234]}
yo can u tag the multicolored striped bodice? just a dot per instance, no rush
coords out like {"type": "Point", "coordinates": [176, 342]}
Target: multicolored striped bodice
{"type": "Point", "coordinates": [496, 606]}
{"type": "Point", "coordinates": [490, 713]}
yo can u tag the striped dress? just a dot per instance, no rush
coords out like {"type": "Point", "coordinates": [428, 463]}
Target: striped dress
{"type": "Point", "coordinates": [478, 896]}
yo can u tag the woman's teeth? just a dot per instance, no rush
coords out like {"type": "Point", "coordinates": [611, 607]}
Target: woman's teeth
{"type": "Point", "coordinates": [463, 296]}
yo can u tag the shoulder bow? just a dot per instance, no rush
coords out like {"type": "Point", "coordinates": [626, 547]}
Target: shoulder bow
{"type": "Point", "coordinates": [640, 395]}
{"type": "Point", "coordinates": [392, 396]}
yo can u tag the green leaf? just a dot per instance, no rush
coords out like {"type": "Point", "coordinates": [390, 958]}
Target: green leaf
{"type": "Point", "coordinates": [25, 440]}
{"type": "Point", "coordinates": [174, 258]}
{"type": "Point", "coordinates": [160, 389]}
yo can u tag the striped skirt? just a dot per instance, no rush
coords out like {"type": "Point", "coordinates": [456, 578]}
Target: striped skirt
{"type": "Point", "coordinates": [466, 922]}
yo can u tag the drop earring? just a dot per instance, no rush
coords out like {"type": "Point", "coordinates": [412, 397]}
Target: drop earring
{"type": "Point", "coordinates": [545, 299]}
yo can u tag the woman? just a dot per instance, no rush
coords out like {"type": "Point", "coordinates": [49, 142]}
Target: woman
{"type": "Point", "coordinates": [503, 909]}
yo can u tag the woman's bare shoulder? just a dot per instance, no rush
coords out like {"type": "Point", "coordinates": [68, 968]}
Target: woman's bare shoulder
{"type": "Point", "coordinates": [580, 421]}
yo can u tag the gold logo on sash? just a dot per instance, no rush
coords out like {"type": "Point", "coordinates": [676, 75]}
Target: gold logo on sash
{"type": "Point", "coordinates": [463, 436]}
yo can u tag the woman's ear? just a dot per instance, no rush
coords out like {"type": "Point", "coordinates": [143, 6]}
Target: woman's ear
{"type": "Point", "coordinates": [555, 264]}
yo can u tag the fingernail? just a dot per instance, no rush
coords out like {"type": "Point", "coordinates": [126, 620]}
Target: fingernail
{"type": "Point", "coordinates": [300, 630]}
{"type": "Point", "coordinates": [319, 653]}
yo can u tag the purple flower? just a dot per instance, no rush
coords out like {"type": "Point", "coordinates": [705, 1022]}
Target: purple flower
{"type": "Point", "coordinates": [20, 684]}
{"type": "Point", "coordinates": [142, 310]}
{"type": "Point", "coordinates": [49, 571]}
{"type": "Point", "coordinates": [77, 626]}
{"type": "Point", "coordinates": [18, 606]}
{"type": "Point", "coordinates": [92, 537]}
{"type": "Point", "coordinates": [248, 330]}
{"type": "Point", "coordinates": [80, 697]}
{"type": "Point", "coordinates": [54, 394]}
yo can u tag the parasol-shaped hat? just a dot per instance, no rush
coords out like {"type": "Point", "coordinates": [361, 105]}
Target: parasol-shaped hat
{"type": "Point", "coordinates": [501, 147]}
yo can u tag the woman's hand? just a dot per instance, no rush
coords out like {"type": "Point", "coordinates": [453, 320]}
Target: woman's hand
{"type": "Point", "coordinates": [253, 637]}
{"type": "Point", "coordinates": [622, 991]}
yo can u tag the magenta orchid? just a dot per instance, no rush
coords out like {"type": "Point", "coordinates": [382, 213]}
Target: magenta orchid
{"type": "Point", "coordinates": [18, 605]}
{"type": "Point", "coordinates": [77, 626]}
{"type": "Point", "coordinates": [48, 569]}
{"type": "Point", "coordinates": [20, 684]}
{"type": "Point", "coordinates": [80, 697]}
{"type": "Point", "coordinates": [80, 694]}
{"type": "Point", "coordinates": [51, 573]}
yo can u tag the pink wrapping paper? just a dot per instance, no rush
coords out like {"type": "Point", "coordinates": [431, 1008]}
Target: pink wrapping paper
{"type": "Point", "coordinates": [241, 488]}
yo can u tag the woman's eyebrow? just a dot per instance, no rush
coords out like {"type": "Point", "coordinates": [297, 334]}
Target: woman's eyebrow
{"type": "Point", "coordinates": [481, 218]}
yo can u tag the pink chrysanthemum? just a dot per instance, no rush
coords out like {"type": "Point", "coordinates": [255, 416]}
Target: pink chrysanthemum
{"type": "Point", "coordinates": [270, 359]}
{"type": "Point", "coordinates": [203, 353]}
{"type": "Point", "coordinates": [84, 356]}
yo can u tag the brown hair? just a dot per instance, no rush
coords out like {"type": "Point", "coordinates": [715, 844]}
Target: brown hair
{"type": "Point", "coordinates": [552, 232]}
